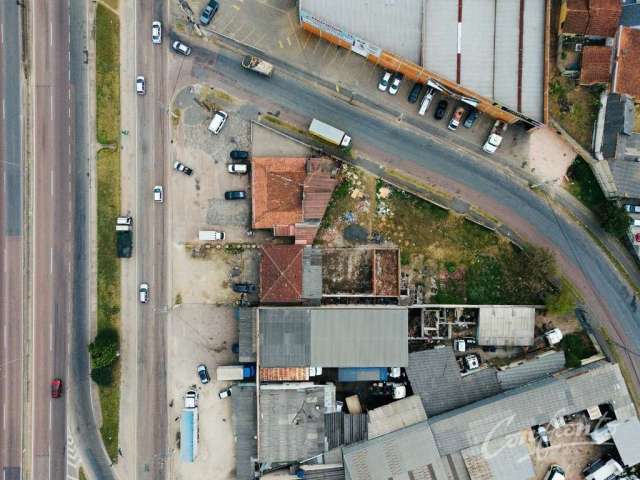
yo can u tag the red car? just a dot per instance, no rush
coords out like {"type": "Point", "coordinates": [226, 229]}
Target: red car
{"type": "Point", "coordinates": [56, 388]}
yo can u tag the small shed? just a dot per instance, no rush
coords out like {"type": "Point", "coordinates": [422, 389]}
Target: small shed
{"type": "Point", "coordinates": [506, 326]}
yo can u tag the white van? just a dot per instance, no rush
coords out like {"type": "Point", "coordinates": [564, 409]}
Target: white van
{"type": "Point", "coordinates": [217, 122]}
{"type": "Point", "coordinates": [602, 469]}
{"type": "Point", "coordinates": [426, 101]}
{"type": "Point", "coordinates": [239, 168]}
{"type": "Point", "coordinates": [555, 473]}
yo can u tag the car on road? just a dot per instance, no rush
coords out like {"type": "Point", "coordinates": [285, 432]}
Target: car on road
{"type": "Point", "coordinates": [426, 100]}
{"type": "Point", "coordinates": [395, 83]}
{"type": "Point", "coordinates": [239, 155]}
{"type": "Point", "coordinates": [140, 85]}
{"type": "Point", "coordinates": [414, 94]}
{"type": "Point", "coordinates": [244, 287]}
{"type": "Point", "coordinates": [555, 472]}
{"type": "Point", "coordinates": [143, 293]}
{"type": "Point", "coordinates": [208, 12]}
{"type": "Point", "coordinates": [181, 167]}
{"type": "Point", "coordinates": [383, 84]}
{"type": "Point", "coordinates": [181, 48]}
{"type": "Point", "coordinates": [542, 436]}
{"type": "Point", "coordinates": [56, 388]}
{"type": "Point", "coordinates": [456, 118]}
{"type": "Point", "coordinates": [158, 194]}
{"type": "Point", "coordinates": [632, 208]}
{"type": "Point", "coordinates": [217, 122]}
{"type": "Point", "coordinates": [224, 393]}
{"type": "Point", "coordinates": [239, 168]}
{"type": "Point", "coordinates": [235, 195]}
{"type": "Point", "coordinates": [471, 118]}
{"type": "Point", "coordinates": [156, 32]}
{"type": "Point", "coordinates": [203, 373]}
{"type": "Point", "coordinates": [441, 109]}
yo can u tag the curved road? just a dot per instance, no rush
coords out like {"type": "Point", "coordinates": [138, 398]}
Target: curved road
{"type": "Point", "coordinates": [471, 177]}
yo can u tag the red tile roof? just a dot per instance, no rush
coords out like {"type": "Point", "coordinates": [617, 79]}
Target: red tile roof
{"type": "Point", "coordinates": [577, 19]}
{"type": "Point", "coordinates": [279, 374]}
{"type": "Point", "coordinates": [592, 17]}
{"type": "Point", "coordinates": [281, 274]}
{"type": "Point", "coordinates": [596, 65]}
{"type": "Point", "coordinates": [627, 70]}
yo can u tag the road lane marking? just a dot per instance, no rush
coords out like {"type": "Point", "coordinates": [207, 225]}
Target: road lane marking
{"type": "Point", "coordinates": [51, 260]}
{"type": "Point", "coordinates": [3, 108]}
{"type": "Point", "coordinates": [51, 106]}
{"type": "Point", "coordinates": [52, 182]}
{"type": "Point", "coordinates": [1, 32]}
{"type": "Point", "coordinates": [5, 337]}
{"type": "Point", "coordinates": [51, 33]}
{"type": "Point", "coordinates": [51, 336]}
{"type": "Point", "coordinates": [4, 416]}
{"type": "Point", "coordinates": [50, 408]}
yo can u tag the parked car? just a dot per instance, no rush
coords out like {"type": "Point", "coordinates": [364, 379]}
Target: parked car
{"type": "Point", "coordinates": [383, 84]}
{"type": "Point", "coordinates": [471, 118]}
{"type": "Point", "coordinates": [244, 288]}
{"type": "Point", "coordinates": [217, 122]}
{"type": "Point", "coordinates": [156, 32]}
{"type": "Point", "coordinates": [181, 48]}
{"type": "Point", "coordinates": [224, 393]}
{"type": "Point", "coordinates": [414, 94]}
{"type": "Point", "coordinates": [203, 373]}
{"type": "Point", "coordinates": [456, 118]}
{"type": "Point", "coordinates": [632, 208]}
{"type": "Point", "coordinates": [56, 388]}
{"type": "Point", "coordinates": [441, 109]}
{"type": "Point", "coordinates": [239, 168]}
{"type": "Point", "coordinates": [143, 293]}
{"type": "Point", "coordinates": [181, 167]}
{"type": "Point", "coordinates": [235, 195]}
{"type": "Point", "coordinates": [208, 12]}
{"type": "Point", "coordinates": [542, 436]}
{"type": "Point", "coordinates": [426, 101]}
{"type": "Point", "coordinates": [140, 85]}
{"type": "Point", "coordinates": [395, 83]}
{"type": "Point", "coordinates": [239, 155]}
{"type": "Point", "coordinates": [555, 472]}
{"type": "Point", "coordinates": [158, 194]}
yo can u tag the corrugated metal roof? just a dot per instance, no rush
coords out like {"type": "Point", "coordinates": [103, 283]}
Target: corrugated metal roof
{"type": "Point", "coordinates": [396, 415]}
{"type": "Point", "coordinates": [246, 335]}
{"type": "Point", "coordinates": [531, 370]}
{"type": "Point", "coordinates": [537, 403]}
{"type": "Point", "coordinates": [285, 337]}
{"type": "Point", "coordinates": [344, 429]}
{"type": "Point", "coordinates": [506, 326]}
{"type": "Point", "coordinates": [626, 174]}
{"type": "Point", "coordinates": [505, 86]}
{"type": "Point", "coordinates": [626, 434]}
{"type": "Point", "coordinates": [312, 274]}
{"type": "Point", "coordinates": [276, 374]}
{"type": "Point", "coordinates": [243, 397]}
{"type": "Point", "coordinates": [532, 80]}
{"type": "Point", "coordinates": [504, 458]}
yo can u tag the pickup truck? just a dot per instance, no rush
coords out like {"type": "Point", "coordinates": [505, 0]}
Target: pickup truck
{"type": "Point", "coordinates": [257, 65]}
{"type": "Point", "coordinates": [495, 137]}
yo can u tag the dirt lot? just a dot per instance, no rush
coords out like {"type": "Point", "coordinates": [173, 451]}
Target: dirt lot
{"type": "Point", "coordinates": [347, 271]}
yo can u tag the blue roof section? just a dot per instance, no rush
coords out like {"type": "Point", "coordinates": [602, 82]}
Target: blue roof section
{"type": "Point", "coordinates": [187, 438]}
{"type": "Point", "coordinates": [630, 15]}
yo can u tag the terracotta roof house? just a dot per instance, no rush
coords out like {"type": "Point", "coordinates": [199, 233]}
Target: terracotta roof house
{"type": "Point", "coordinates": [592, 18]}
{"type": "Point", "coordinates": [291, 194]}
{"type": "Point", "coordinates": [596, 65]}
{"type": "Point", "coordinates": [626, 74]}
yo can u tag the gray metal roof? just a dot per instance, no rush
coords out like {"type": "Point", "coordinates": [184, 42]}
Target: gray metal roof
{"type": "Point", "coordinates": [531, 370]}
{"type": "Point", "coordinates": [626, 435]}
{"type": "Point", "coordinates": [246, 334]}
{"type": "Point", "coordinates": [619, 121]}
{"type": "Point", "coordinates": [333, 337]}
{"type": "Point", "coordinates": [626, 174]}
{"type": "Point", "coordinates": [506, 326]}
{"type": "Point", "coordinates": [435, 377]}
{"type": "Point", "coordinates": [536, 403]}
{"type": "Point", "coordinates": [630, 15]}
{"type": "Point", "coordinates": [407, 453]}
{"type": "Point", "coordinates": [291, 422]}
{"type": "Point", "coordinates": [312, 274]}
{"type": "Point", "coordinates": [396, 415]}
{"type": "Point", "coordinates": [391, 24]}
{"type": "Point", "coordinates": [344, 429]}
{"type": "Point", "coordinates": [243, 397]}
{"type": "Point", "coordinates": [504, 458]}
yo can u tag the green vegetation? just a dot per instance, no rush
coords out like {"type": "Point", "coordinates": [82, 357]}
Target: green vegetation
{"type": "Point", "coordinates": [82, 475]}
{"type": "Point", "coordinates": [562, 302]}
{"type": "Point", "coordinates": [104, 350]}
{"type": "Point", "coordinates": [574, 107]}
{"type": "Point", "coordinates": [577, 346]}
{"type": "Point", "coordinates": [614, 219]}
{"type": "Point", "coordinates": [178, 299]}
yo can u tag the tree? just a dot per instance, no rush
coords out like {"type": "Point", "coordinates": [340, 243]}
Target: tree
{"type": "Point", "coordinates": [615, 219]}
{"type": "Point", "coordinates": [104, 349]}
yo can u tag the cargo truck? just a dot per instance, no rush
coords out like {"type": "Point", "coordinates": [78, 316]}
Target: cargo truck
{"type": "Point", "coordinates": [189, 434]}
{"type": "Point", "coordinates": [235, 372]}
{"type": "Point", "coordinates": [329, 134]}
{"type": "Point", "coordinates": [210, 235]}
{"type": "Point", "coordinates": [124, 236]}
{"type": "Point", "coordinates": [495, 137]}
{"type": "Point", "coordinates": [257, 65]}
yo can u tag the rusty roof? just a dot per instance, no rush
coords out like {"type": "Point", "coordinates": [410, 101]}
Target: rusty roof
{"type": "Point", "coordinates": [281, 274]}
{"type": "Point", "coordinates": [592, 17]}
{"type": "Point", "coordinates": [281, 374]}
{"type": "Point", "coordinates": [596, 65]}
{"type": "Point", "coordinates": [627, 76]}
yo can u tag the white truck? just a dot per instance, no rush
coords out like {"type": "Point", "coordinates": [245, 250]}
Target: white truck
{"type": "Point", "coordinates": [189, 428]}
{"type": "Point", "coordinates": [257, 65]}
{"type": "Point", "coordinates": [124, 237]}
{"type": "Point", "coordinates": [210, 235]}
{"type": "Point", "coordinates": [234, 372]}
{"type": "Point", "coordinates": [329, 134]}
{"type": "Point", "coordinates": [495, 137]}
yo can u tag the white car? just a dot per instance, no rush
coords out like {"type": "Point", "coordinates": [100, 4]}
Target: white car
{"type": "Point", "coordinates": [239, 168]}
{"type": "Point", "coordinates": [224, 393]}
{"type": "Point", "coordinates": [632, 208]}
{"type": "Point", "coordinates": [181, 48]}
{"type": "Point", "coordinates": [143, 293]}
{"type": "Point", "coordinates": [158, 194]}
{"type": "Point", "coordinates": [383, 84]}
{"type": "Point", "coordinates": [140, 85]}
{"type": "Point", "coordinates": [395, 83]}
{"type": "Point", "coordinates": [218, 121]}
{"type": "Point", "coordinates": [156, 32]}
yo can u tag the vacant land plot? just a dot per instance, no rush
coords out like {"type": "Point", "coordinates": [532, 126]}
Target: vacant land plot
{"type": "Point", "coordinates": [448, 257]}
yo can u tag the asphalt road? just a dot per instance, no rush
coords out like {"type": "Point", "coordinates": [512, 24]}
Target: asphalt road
{"type": "Point", "coordinates": [384, 140]}
{"type": "Point", "coordinates": [11, 243]}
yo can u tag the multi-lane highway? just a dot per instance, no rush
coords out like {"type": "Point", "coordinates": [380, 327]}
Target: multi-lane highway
{"type": "Point", "coordinates": [11, 243]}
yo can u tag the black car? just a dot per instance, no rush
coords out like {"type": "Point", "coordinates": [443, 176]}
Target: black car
{"type": "Point", "coordinates": [209, 12]}
{"type": "Point", "coordinates": [244, 288]}
{"type": "Point", "coordinates": [239, 155]}
{"type": "Point", "coordinates": [414, 94]}
{"type": "Point", "coordinates": [441, 109]}
{"type": "Point", "coordinates": [235, 195]}
{"type": "Point", "coordinates": [471, 118]}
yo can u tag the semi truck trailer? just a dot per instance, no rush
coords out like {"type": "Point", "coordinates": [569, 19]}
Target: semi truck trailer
{"type": "Point", "coordinates": [124, 236]}
{"type": "Point", "coordinates": [329, 134]}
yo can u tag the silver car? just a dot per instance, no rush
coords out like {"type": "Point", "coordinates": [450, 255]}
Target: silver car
{"type": "Point", "coordinates": [156, 32]}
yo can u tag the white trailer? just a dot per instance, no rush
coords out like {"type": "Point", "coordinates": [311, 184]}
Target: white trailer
{"type": "Point", "coordinates": [210, 235]}
{"type": "Point", "coordinates": [329, 134]}
{"type": "Point", "coordinates": [229, 372]}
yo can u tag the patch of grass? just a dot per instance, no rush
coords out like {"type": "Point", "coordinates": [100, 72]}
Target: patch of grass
{"type": "Point", "coordinates": [107, 76]}
{"type": "Point", "coordinates": [575, 107]}
{"type": "Point", "coordinates": [577, 346]}
{"type": "Point", "coordinates": [112, 3]}
{"type": "Point", "coordinates": [584, 185]}
{"type": "Point", "coordinates": [81, 474]}
{"type": "Point", "coordinates": [288, 126]}
{"type": "Point", "coordinates": [178, 299]}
